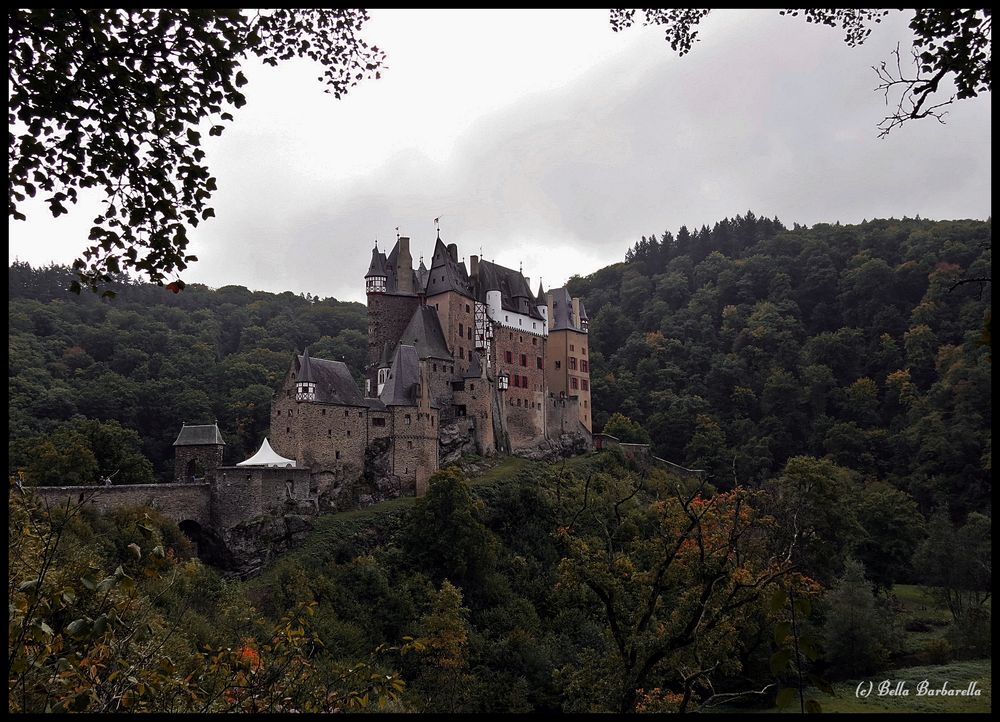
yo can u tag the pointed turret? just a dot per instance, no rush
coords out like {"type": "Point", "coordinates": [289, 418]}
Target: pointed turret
{"type": "Point", "coordinates": [540, 298]}
{"type": "Point", "coordinates": [375, 279]}
{"type": "Point", "coordinates": [305, 382]}
{"type": "Point", "coordinates": [422, 275]}
{"type": "Point", "coordinates": [584, 321]}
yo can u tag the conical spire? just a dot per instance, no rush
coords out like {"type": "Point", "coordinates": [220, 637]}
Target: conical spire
{"type": "Point", "coordinates": [377, 266]}
{"type": "Point", "coordinates": [540, 298]}
{"type": "Point", "coordinates": [305, 370]}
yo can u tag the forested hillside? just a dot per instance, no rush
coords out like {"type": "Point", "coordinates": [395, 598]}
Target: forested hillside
{"type": "Point", "coordinates": [739, 347]}
{"type": "Point", "coordinates": [148, 360]}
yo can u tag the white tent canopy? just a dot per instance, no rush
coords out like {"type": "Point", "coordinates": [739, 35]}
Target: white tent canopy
{"type": "Point", "coordinates": [266, 456]}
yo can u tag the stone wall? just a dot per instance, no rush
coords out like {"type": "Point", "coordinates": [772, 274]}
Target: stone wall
{"type": "Point", "coordinates": [320, 436]}
{"type": "Point", "coordinates": [523, 403]}
{"type": "Point", "coordinates": [567, 348]}
{"type": "Point", "coordinates": [475, 397]}
{"type": "Point", "coordinates": [457, 316]}
{"type": "Point", "coordinates": [208, 457]}
{"type": "Point", "coordinates": [180, 502]}
{"type": "Point", "coordinates": [388, 315]}
{"type": "Point", "coordinates": [414, 454]}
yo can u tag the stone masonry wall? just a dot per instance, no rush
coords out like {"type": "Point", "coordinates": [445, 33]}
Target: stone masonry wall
{"type": "Point", "coordinates": [209, 457]}
{"type": "Point", "coordinates": [178, 501]}
{"type": "Point", "coordinates": [523, 405]}
{"type": "Point", "coordinates": [388, 316]}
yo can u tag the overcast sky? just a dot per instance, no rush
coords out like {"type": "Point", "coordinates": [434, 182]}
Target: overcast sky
{"type": "Point", "coordinates": [545, 139]}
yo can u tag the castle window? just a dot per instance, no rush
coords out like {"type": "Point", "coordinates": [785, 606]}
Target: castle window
{"type": "Point", "coordinates": [288, 430]}
{"type": "Point", "coordinates": [472, 387]}
{"type": "Point", "coordinates": [409, 444]}
{"type": "Point", "coordinates": [507, 319]}
{"type": "Point", "coordinates": [584, 366]}
{"type": "Point", "coordinates": [573, 384]}
{"type": "Point", "coordinates": [406, 419]}
{"type": "Point", "coordinates": [585, 403]}
{"type": "Point", "coordinates": [524, 381]}
{"type": "Point", "coordinates": [572, 348]}
{"type": "Point", "coordinates": [519, 402]}
{"type": "Point", "coordinates": [572, 363]}
{"type": "Point", "coordinates": [558, 364]}
{"type": "Point", "coordinates": [508, 356]}
{"type": "Point", "coordinates": [538, 362]}
{"type": "Point", "coordinates": [520, 321]}
{"type": "Point", "coordinates": [432, 422]}
{"type": "Point", "coordinates": [467, 308]}
{"type": "Point", "coordinates": [534, 325]}
{"type": "Point", "coordinates": [348, 432]}
{"type": "Point", "coordinates": [461, 352]}
{"type": "Point", "coordinates": [323, 412]}
{"type": "Point", "coordinates": [524, 359]}
{"type": "Point", "coordinates": [461, 330]}
{"type": "Point", "coordinates": [520, 339]}
{"type": "Point", "coordinates": [534, 342]}
{"type": "Point", "coordinates": [346, 412]}
{"type": "Point", "coordinates": [360, 414]}
{"type": "Point", "coordinates": [336, 455]}
{"type": "Point", "coordinates": [329, 433]}
{"type": "Point", "coordinates": [435, 366]}
{"type": "Point", "coordinates": [468, 333]}
{"type": "Point", "coordinates": [279, 412]}
{"type": "Point", "coordinates": [584, 384]}
{"type": "Point", "coordinates": [378, 422]}
{"type": "Point", "coordinates": [583, 350]}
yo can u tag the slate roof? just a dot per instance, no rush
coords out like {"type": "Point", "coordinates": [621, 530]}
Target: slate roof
{"type": "Point", "coordinates": [207, 434]}
{"type": "Point", "coordinates": [583, 312]}
{"type": "Point", "coordinates": [305, 371]}
{"type": "Point", "coordinates": [475, 366]}
{"type": "Point", "coordinates": [540, 297]}
{"type": "Point", "coordinates": [422, 275]}
{"type": "Point", "coordinates": [377, 266]}
{"type": "Point", "coordinates": [424, 333]}
{"type": "Point", "coordinates": [404, 375]}
{"type": "Point", "coordinates": [334, 384]}
{"type": "Point", "coordinates": [562, 311]}
{"type": "Point", "coordinates": [447, 274]}
{"type": "Point", "coordinates": [515, 295]}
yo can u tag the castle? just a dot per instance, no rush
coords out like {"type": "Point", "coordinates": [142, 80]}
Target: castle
{"type": "Point", "coordinates": [454, 354]}
{"type": "Point", "coordinates": [460, 360]}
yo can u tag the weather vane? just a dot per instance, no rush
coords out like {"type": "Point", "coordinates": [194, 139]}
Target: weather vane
{"type": "Point", "coordinates": [397, 233]}
{"type": "Point", "coordinates": [437, 225]}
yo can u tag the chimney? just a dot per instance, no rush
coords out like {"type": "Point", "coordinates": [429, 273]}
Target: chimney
{"type": "Point", "coordinates": [404, 266]}
{"type": "Point", "coordinates": [576, 312]}
{"type": "Point", "coordinates": [453, 252]}
{"type": "Point", "coordinates": [474, 266]}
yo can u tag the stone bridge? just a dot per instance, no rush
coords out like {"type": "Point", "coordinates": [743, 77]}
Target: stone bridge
{"type": "Point", "coordinates": [177, 501]}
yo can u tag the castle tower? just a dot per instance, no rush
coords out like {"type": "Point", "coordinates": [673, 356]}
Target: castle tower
{"type": "Point", "coordinates": [305, 384]}
{"type": "Point", "coordinates": [197, 452]}
{"type": "Point", "coordinates": [392, 288]}
{"type": "Point", "coordinates": [375, 279]}
{"type": "Point", "coordinates": [567, 366]}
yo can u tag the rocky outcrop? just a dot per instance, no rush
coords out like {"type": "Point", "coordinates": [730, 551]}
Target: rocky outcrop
{"type": "Point", "coordinates": [253, 544]}
{"type": "Point", "coordinates": [554, 449]}
{"type": "Point", "coordinates": [456, 440]}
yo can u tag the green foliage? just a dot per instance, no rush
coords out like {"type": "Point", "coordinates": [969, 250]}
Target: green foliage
{"type": "Point", "coordinates": [146, 363]}
{"type": "Point", "coordinates": [769, 343]}
{"type": "Point", "coordinates": [445, 537]}
{"type": "Point", "coordinates": [115, 99]}
{"type": "Point", "coordinates": [858, 635]}
{"type": "Point", "coordinates": [625, 430]}
{"type": "Point", "coordinates": [138, 639]}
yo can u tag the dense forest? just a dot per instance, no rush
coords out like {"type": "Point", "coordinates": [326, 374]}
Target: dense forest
{"type": "Point", "coordinates": [148, 360]}
{"type": "Point", "coordinates": [833, 382]}
{"type": "Point", "coordinates": [739, 347]}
